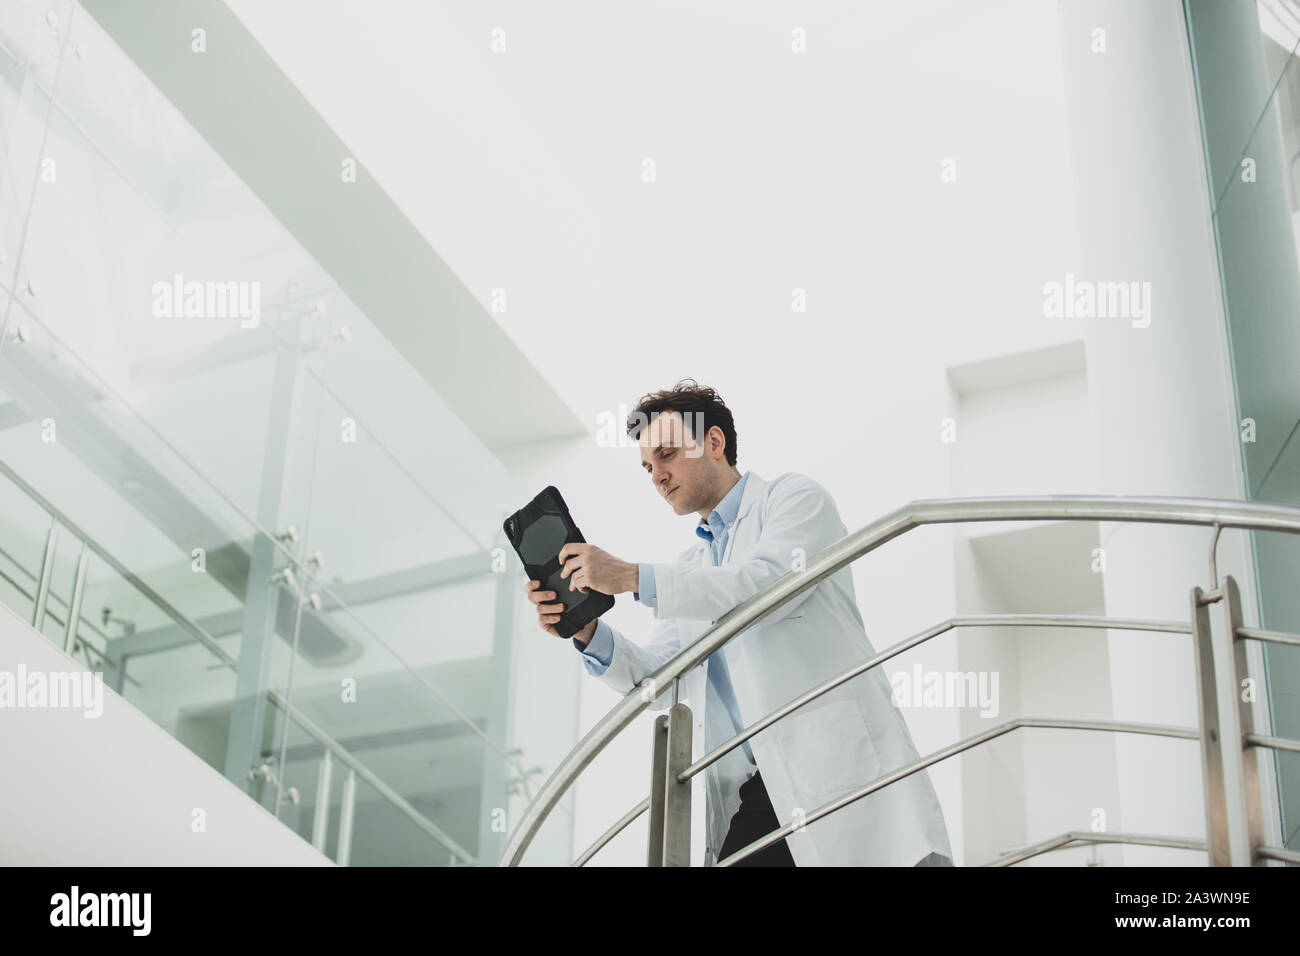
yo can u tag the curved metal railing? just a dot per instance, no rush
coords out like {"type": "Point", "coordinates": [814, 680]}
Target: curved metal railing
{"type": "Point", "coordinates": [1217, 514]}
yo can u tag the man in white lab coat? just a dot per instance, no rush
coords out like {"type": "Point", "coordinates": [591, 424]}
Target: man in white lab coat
{"type": "Point", "coordinates": [751, 533]}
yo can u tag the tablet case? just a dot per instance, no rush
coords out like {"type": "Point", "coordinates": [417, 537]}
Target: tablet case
{"type": "Point", "coordinates": [538, 531]}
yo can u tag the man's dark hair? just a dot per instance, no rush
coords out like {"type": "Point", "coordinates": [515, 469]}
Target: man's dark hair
{"type": "Point", "coordinates": [701, 407]}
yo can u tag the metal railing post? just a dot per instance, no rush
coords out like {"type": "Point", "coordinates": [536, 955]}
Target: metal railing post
{"type": "Point", "coordinates": [1217, 839]}
{"type": "Point", "coordinates": [343, 855]}
{"type": "Point", "coordinates": [658, 790]}
{"type": "Point", "coordinates": [74, 606]}
{"type": "Point", "coordinates": [677, 793]}
{"type": "Point", "coordinates": [670, 799]}
{"type": "Point", "coordinates": [320, 820]}
{"type": "Point", "coordinates": [1238, 672]}
{"type": "Point", "coordinates": [47, 572]}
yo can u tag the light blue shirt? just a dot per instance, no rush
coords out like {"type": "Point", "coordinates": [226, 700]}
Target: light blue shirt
{"type": "Point", "coordinates": [600, 649]}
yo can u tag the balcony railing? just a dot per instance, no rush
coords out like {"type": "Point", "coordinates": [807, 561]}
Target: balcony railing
{"type": "Point", "coordinates": [1231, 787]}
{"type": "Point", "coordinates": [74, 627]}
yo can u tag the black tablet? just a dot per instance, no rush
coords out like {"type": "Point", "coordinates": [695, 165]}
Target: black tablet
{"type": "Point", "coordinates": [538, 531]}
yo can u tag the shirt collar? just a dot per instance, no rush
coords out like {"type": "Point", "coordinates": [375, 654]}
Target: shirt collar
{"type": "Point", "coordinates": [725, 512]}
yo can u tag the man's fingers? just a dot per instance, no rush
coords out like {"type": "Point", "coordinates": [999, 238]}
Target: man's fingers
{"type": "Point", "coordinates": [572, 566]}
{"type": "Point", "coordinates": [537, 597]}
{"type": "Point", "coordinates": [548, 615]}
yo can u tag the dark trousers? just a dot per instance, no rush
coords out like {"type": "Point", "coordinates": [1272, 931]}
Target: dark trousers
{"type": "Point", "coordinates": [753, 820]}
{"type": "Point", "coordinates": [756, 818]}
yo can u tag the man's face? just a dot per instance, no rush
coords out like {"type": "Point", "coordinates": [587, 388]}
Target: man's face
{"type": "Point", "coordinates": [684, 473]}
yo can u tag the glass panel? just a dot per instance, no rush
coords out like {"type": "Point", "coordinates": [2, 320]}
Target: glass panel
{"type": "Point", "coordinates": [426, 717]}
{"type": "Point", "coordinates": [179, 584]}
{"type": "Point", "coordinates": [1277, 557]}
{"type": "Point", "coordinates": [31, 42]}
{"type": "Point", "coordinates": [401, 411]}
{"type": "Point", "coordinates": [168, 401]}
{"type": "Point", "coordinates": [1248, 84]}
{"type": "Point", "coordinates": [84, 451]}
{"type": "Point", "coordinates": [1288, 768]}
{"type": "Point", "coordinates": [1241, 51]}
{"type": "Point", "coordinates": [152, 257]}
{"type": "Point", "coordinates": [370, 520]}
{"type": "Point", "coordinates": [383, 835]}
{"type": "Point", "coordinates": [1257, 223]}
{"type": "Point", "coordinates": [423, 558]}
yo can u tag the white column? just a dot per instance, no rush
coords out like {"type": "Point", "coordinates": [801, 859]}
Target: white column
{"type": "Point", "coordinates": [1162, 395]}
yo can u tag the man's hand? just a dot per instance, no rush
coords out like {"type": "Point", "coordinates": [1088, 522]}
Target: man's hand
{"type": "Point", "coordinates": [548, 614]}
{"type": "Point", "coordinates": [587, 567]}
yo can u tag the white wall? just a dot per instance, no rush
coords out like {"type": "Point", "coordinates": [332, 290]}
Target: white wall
{"type": "Point", "coordinates": [1025, 427]}
{"type": "Point", "coordinates": [116, 790]}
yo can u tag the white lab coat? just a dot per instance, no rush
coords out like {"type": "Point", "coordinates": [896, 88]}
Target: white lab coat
{"type": "Point", "coordinates": [841, 741]}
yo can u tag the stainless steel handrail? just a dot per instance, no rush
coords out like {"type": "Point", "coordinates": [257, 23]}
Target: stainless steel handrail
{"type": "Point", "coordinates": [1273, 637]}
{"type": "Point", "coordinates": [1277, 853]}
{"type": "Point", "coordinates": [916, 766]}
{"type": "Point", "coordinates": [1150, 510]}
{"type": "Point", "coordinates": [968, 620]}
{"type": "Point", "coordinates": [982, 620]}
{"type": "Point", "coordinates": [1076, 837]}
{"type": "Point", "coordinates": [200, 635]}
{"type": "Point", "coordinates": [612, 832]}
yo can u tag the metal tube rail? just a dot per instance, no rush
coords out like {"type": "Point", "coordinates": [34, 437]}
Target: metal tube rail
{"type": "Point", "coordinates": [154, 597]}
{"type": "Point", "coordinates": [1074, 837]}
{"type": "Point", "coordinates": [1163, 510]}
{"type": "Point", "coordinates": [1272, 637]}
{"type": "Point", "coordinates": [1276, 743]}
{"type": "Point", "coordinates": [974, 620]}
{"type": "Point", "coordinates": [969, 620]}
{"type": "Point", "coordinates": [916, 766]}
{"type": "Point", "coordinates": [612, 832]}
{"type": "Point", "coordinates": [1279, 743]}
{"type": "Point", "coordinates": [1277, 853]}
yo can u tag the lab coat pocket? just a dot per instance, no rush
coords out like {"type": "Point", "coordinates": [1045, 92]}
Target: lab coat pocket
{"type": "Point", "coordinates": [828, 749]}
